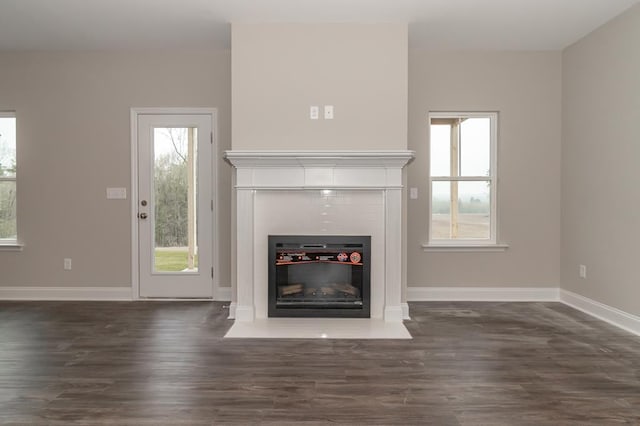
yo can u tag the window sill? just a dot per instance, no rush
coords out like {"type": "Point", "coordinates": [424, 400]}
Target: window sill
{"type": "Point", "coordinates": [11, 246]}
{"type": "Point", "coordinates": [462, 248]}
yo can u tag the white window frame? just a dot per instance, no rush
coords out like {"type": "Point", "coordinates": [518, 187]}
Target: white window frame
{"type": "Point", "coordinates": [10, 243]}
{"type": "Point", "coordinates": [459, 244]}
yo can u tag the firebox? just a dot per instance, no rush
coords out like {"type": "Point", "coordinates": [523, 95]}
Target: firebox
{"type": "Point", "coordinates": [319, 276]}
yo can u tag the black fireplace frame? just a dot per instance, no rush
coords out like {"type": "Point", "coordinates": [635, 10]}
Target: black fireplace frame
{"type": "Point", "coordinates": [314, 241]}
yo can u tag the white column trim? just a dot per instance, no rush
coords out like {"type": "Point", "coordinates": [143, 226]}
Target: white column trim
{"type": "Point", "coordinates": [393, 255]}
{"type": "Point", "coordinates": [245, 308]}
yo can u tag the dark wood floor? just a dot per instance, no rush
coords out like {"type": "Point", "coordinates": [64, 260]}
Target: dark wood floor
{"type": "Point", "coordinates": [152, 363]}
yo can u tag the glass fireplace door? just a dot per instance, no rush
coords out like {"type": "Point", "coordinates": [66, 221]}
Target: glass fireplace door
{"type": "Point", "coordinates": [319, 276]}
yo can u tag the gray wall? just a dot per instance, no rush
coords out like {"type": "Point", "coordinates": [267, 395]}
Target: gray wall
{"type": "Point", "coordinates": [74, 141]}
{"type": "Point", "coordinates": [73, 114]}
{"type": "Point", "coordinates": [525, 88]}
{"type": "Point", "coordinates": [73, 111]}
{"type": "Point", "coordinates": [279, 70]}
{"type": "Point", "coordinates": [600, 171]}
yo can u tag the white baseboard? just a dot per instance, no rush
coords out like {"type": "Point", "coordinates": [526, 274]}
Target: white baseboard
{"type": "Point", "coordinates": [393, 314]}
{"type": "Point", "coordinates": [483, 294]}
{"type": "Point", "coordinates": [244, 313]}
{"type": "Point", "coordinates": [232, 310]}
{"type": "Point", "coordinates": [613, 316]}
{"type": "Point", "coordinates": [405, 311]}
{"type": "Point", "coordinates": [222, 294]}
{"type": "Point", "coordinates": [84, 293]}
{"type": "Point", "coordinates": [66, 293]}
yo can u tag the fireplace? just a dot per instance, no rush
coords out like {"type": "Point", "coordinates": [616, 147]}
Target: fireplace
{"type": "Point", "coordinates": [319, 193]}
{"type": "Point", "coordinates": [319, 276]}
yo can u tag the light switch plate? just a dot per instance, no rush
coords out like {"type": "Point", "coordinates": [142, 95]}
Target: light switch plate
{"type": "Point", "coordinates": [116, 193]}
{"type": "Point", "coordinates": [413, 193]}
{"type": "Point", "coordinates": [314, 112]}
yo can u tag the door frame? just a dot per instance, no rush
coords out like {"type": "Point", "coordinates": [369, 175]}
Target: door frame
{"type": "Point", "coordinates": [135, 261]}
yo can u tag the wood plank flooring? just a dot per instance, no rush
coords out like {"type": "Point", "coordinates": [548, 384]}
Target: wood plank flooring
{"type": "Point", "coordinates": [166, 363]}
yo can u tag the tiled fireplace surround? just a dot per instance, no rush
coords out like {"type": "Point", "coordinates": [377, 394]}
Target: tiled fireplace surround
{"type": "Point", "coordinates": [318, 193]}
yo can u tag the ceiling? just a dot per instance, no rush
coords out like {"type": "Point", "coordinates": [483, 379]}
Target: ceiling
{"type": "Point", "coordinates": [433, 24]}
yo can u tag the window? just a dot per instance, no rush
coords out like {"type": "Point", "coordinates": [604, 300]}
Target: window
{"type": "Point", "coordinates": [8, 225]}
{"type": "Point", "coordinates": [462, 179]}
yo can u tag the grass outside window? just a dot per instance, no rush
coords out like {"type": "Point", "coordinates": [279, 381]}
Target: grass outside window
{"type": "Point", "coordinates": [172, 259]}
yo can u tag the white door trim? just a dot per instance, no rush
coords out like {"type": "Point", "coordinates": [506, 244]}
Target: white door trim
{"type": "Point", "coordinates": [135, 261]}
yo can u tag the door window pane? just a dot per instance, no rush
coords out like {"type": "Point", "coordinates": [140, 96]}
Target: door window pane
{"type": "Point", "coordinates": [175, 199]}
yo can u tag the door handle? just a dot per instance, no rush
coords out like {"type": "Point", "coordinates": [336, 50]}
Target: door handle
{"type": "Point", "coordinates": [142, 215]}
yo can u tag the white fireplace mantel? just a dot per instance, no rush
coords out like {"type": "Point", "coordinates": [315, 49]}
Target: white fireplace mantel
{"type": "Point", "coordinates": [369, 187]}
{"type": "Point", "coordinates": [386, 158]}
{"type": "Point", "coordinates": [318, 169]}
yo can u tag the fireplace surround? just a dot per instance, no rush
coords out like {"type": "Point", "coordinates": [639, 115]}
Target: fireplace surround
{"type": "Point", "coordinates": [317, 193]}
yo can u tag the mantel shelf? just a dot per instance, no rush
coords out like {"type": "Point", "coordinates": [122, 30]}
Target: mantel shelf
{"type": "Point", "coordinates": [288, 170]}
{"type": "Point", "coordinates": [366, 158]}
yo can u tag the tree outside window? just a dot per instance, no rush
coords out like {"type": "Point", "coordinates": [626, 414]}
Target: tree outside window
{"type": "Point", "coordinates": [8, 220]}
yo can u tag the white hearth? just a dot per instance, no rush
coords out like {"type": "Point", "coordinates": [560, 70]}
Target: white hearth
{"type": "Point", "coordinates": [317, 193]}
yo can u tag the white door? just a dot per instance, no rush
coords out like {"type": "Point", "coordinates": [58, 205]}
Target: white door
{"type": "Point", "coordinates": [175, 207]}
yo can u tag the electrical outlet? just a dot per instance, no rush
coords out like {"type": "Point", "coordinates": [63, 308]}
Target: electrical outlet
{"type": "Point", "coordinates": [328, 112]}
{"type": "Point", "coordinates": [582, 271]}
{"type": "Point", "coordinates": [67, 264]}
